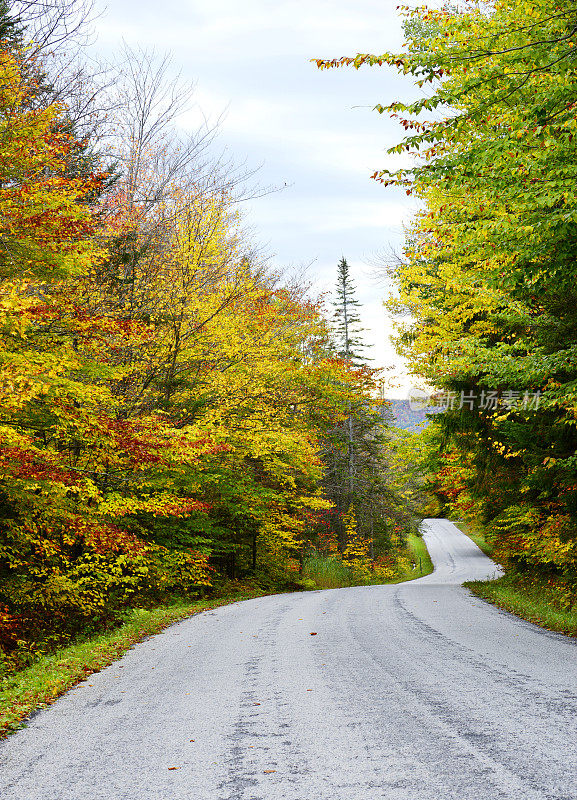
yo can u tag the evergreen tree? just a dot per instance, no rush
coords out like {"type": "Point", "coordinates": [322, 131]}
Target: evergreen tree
{"type": "Point", "coordinates": [354, 451]}
{"type": "Point", "coordinates": [348, 333]}
{"type": "Point", "coordinates": [10, 26]}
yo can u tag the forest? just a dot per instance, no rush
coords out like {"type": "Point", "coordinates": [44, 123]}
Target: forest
{"type": "Point", "coordinates": [487, 281]}
{"type": "Point", "coordinates": [179, 414]}
{"type": "Point", "coordinates": [183, 417]}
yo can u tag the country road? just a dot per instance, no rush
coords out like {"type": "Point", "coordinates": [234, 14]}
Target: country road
{"type": "Point", "coordinates": [416, 691]}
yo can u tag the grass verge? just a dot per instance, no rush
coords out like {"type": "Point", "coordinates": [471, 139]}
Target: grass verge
{"type": "Point", "coordinates": [529, 603]}
{"type": "Point", "coordinates": [326, 572]}
{"type": "Point", "coordinates": [421, 558]}
{"type": "Point", "coordinates": [52, 675]}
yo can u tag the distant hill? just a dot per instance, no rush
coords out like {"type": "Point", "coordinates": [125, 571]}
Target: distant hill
{"type": "Point", "coordinates": [403, 417]}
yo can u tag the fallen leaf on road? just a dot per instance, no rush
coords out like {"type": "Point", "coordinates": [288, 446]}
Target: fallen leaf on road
{"type": "Point", "coordinates": [174, 768]}
{"type": "Point", "coordinates": [314, 634]}
{"type": "Point", "coordinates": [268, 771]}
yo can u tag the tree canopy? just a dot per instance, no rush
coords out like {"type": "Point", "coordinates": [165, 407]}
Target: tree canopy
{"type": "Point", "coordinates": [488, 275]}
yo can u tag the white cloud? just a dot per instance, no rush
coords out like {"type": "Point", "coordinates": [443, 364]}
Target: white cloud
{"type": "Point", "coordinates": [325, 214]}
{"type": "Point", "coordinates": [313, 130]}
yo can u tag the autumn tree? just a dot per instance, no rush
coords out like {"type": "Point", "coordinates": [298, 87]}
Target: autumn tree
{"type": "Point", "coordinates": [488, 276]}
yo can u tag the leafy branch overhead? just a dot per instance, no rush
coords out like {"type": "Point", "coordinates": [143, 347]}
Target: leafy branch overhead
{"type": "Point", "coordinates": [165, 394]}
{"type": "Point", "coordinates": [488, 277]}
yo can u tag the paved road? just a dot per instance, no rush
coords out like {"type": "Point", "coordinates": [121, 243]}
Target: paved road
{"type": "Point", "coordinates": [411, 692]}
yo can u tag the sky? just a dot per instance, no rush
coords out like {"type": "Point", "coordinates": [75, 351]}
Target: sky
{"type": "Point", "coordinates": [312, 134]}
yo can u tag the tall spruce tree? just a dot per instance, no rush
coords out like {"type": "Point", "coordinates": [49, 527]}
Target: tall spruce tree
{"type": "Point", "coordinates": [355, 450]}
{"type": "Point", "coordinates": [348, 332]}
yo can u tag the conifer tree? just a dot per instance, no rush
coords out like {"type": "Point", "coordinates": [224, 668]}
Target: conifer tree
{"type": "Point", "coordinates": [354, 453]}
{"type": "Point", "coordinates": [10, 27]}
{"type": "Point", "coordinates": [348, 333]}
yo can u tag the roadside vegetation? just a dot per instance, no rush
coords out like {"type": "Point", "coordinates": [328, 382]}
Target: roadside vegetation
{"type": "Point", "coordinates": [177, 411]}
{"type": "Point", "coordinates": [485, 286]}
{"type": "Point", "coordinates": [328, 572]}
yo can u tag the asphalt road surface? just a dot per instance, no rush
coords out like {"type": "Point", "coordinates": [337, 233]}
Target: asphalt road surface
{"type": "Point", "coordinates": [417, 691]}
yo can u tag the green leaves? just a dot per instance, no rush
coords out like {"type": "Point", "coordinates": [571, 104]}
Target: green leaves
{"type": "Point", "coordinates": [488, 279]}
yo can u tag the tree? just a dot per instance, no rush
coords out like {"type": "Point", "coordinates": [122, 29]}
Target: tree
{"type": "Point", "coordinates": [355, 450]}
{"type": "Point", "coordinates": [347, 320]}
{"type": "Point", "coordinates": [489, 275]}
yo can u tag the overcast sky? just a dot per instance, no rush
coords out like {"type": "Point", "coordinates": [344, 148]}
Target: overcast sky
{"type": "Point", "coordinates": [313, 131]}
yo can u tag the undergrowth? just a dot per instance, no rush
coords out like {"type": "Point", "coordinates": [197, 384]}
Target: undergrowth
{"type": "Point", "coordinates": [537, 599]}
{"type": "Point", "coordinates": [330, 572]}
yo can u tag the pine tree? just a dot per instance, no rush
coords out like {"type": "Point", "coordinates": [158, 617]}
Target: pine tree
{"type": "Point", "coordinates": [349, 456]}
{"type": "Point", "coordinates": [348, 333]}
{"type": "Point", "coordinates": [10, 26]}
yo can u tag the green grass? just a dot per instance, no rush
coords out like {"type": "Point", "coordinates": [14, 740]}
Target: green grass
{"type": "Point", "coordinates": [530, 603]}
{"type": "Point", "coordinates": [44, 681]}
{"type": "Point", "coordinates": [328, 572]}
{"type": "Point", "coordinates": [421, 557]}
{"type": "Point", "coordinates": [477, 536]}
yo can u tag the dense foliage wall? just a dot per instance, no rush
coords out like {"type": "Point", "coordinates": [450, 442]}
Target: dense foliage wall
{"type": "Point", "coordinates": [489, 270]}
{"type": "Point", "coordinates": [165, 395]}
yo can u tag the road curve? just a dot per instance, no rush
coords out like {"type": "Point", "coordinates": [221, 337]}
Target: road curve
{"type": "Point", "coordinates": [417, 691]}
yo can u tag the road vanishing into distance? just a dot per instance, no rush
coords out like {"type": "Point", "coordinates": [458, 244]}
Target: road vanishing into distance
{"type": "Point", "coordinates": [415, 691]}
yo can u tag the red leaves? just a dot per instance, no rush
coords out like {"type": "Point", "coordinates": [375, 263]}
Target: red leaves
{"type": "Point", "coordinates": [33, 465]}
{"type": "Point", "coordinates": [9, 627]}
{"type": "Point", "coordinates": [134, 440]}
{"type": "Point", "coordinates": [104, 539]}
